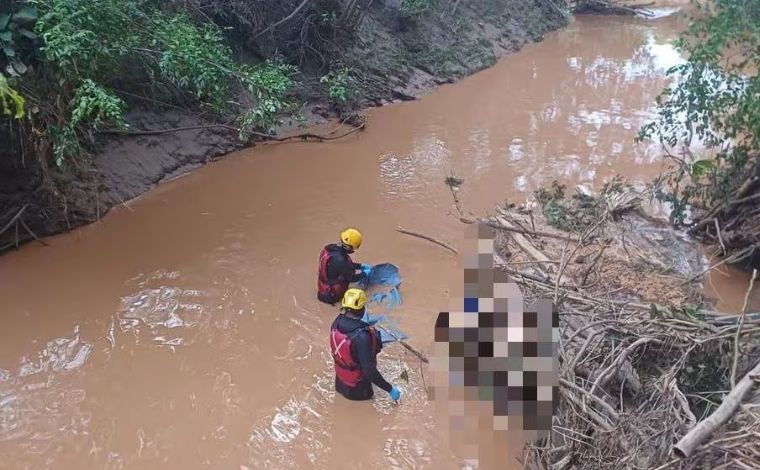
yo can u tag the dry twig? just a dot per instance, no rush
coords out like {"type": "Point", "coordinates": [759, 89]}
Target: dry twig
{"type": "Point", "coordinates": [739, 328]}
{"type": "Point", "coordinates": [430, 239]}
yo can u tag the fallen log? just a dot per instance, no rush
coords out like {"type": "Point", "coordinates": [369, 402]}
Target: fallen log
{"type": "Point", "coordinates": [686, 446]}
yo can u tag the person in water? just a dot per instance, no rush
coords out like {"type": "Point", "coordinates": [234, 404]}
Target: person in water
{"type": "Point", "coordinates": [354, 345]}
{"type": "Point", "coordinates": [337, 270]}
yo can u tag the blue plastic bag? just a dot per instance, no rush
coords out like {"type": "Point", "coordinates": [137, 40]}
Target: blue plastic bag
{"type": "Point", "coordinates": [382, 284]}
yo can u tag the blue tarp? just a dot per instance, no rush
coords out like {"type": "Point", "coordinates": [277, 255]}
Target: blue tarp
{"type": "Point", "coordinates": [382, 286]}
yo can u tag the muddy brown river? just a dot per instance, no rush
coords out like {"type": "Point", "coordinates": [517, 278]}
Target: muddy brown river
{"type": "Point", "coordinates": [182, 331]}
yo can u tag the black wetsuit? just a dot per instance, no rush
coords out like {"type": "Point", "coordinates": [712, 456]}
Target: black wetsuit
{"type": "Point", "coordinates": [336, 272]}
{"type": "Point", "coordinates": [341, 264]}
{"type": "Point", "coordinates": [364, 356]}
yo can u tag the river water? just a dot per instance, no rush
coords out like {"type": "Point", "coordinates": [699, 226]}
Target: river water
{"type": "Point", "coordinates": [182, 331]}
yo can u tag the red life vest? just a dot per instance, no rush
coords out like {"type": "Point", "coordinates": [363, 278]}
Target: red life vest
{"type": "Point", "coordinates": [331, 290]}
{"type": "Point", "coordinates": [346, 368]}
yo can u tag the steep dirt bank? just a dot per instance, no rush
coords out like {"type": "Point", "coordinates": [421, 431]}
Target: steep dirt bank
{"type": "Point", "coordinates": [396, 58]}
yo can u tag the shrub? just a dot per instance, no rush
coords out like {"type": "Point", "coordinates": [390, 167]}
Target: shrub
{"type": "Point", "coordinates": [86, 47]}
{"type": "Point", "coordinates": [269, 83]}
{"type": "Point", "coordinates": [11, 103]}
{"type": "Point", "coordinates": [195, 58]}
{"type": "Point", "coordinates": [17, 38]}
{"type": "Point", "coordinates": [716, 99]}
{"type": "Point", "coordinates": [341, 85]}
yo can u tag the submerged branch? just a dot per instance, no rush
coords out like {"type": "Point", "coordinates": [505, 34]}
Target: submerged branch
{"type": "Point", "coordinates": [430, 239]}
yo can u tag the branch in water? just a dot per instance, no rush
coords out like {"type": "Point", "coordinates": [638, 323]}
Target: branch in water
{"type": "Point", "coordinates": [430, 239]}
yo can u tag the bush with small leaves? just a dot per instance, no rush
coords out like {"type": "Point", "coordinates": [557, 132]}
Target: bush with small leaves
{"type": "Point", "coordinates": [87, 46]}
{"type": "Point", "coordinates": [341, 85]}
{"type": "Point", "coordinates": [11, 102]}
{"type": "Point", "coordinates": [715, 100]}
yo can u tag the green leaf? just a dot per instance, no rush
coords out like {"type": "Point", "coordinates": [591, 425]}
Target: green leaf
{"type": "Point", "coordinates": [26, 14]}
{"type": "Point", "coordinates": [9, 51]}
{"type": "Point", "coordinates": [702, 167]}
{"type": "Point", "coordinates": [6, 36]}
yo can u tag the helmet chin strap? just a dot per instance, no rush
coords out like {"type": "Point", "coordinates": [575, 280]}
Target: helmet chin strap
{"type": "Point", "coordinates": [357, 314]}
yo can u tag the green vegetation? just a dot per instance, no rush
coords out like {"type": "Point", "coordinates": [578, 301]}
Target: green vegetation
{"type": "Point", "coordinates": [81, 52]}
{"type": "Point", "coordinates": [574, 214]}
{"type": "Point", "coordinates": [581, 211]}
{"type": "Point", "coordinates": [716, 102]}
{"type": "Point", "coordinates": [269, 83]}
{"type": "Point", "coordinates": [17, 37]}
{"type": "Point", "coordinates": [341, 85]}
{"type": "Point", "coordinates": [11, 102]}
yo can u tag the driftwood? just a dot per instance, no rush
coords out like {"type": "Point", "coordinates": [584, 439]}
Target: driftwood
{"type": "Point", "coordinates": [521, 241]}
{"type": "Point", "coordinates": [694, 438]}
{"type": "Point", "coordinates": [733, 222]}
{"type": "Point", "coordinates": [430, 239]}
{"type": "Point", "coordinates": [634, 375]}
{"type": "Point", "coordinates": [534, 233]}
{"type": "Point", "coordinates": [631, 372]}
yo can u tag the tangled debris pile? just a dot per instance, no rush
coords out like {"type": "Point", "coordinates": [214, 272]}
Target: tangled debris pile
{"type": "Point", "coordinates": [732, 223]}
{"type": "Point", "coordinates": [650, 377]}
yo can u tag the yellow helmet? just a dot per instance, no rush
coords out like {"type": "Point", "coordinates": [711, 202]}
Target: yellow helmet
{"type": "Point", "coordinates": [355, 299]}
{"type": "Point", "coordinates": [352, 238]}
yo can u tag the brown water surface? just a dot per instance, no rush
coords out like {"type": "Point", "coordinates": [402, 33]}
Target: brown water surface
{"type": "Point", "coordinates": [184, 332]}
{"type": "Point", "coordinates": [729, 286]}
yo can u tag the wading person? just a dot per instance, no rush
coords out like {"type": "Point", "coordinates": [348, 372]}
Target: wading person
{"type": "Point", "coordinates": [354, 345]}
{"type": "Point", "coordinates": [336, 268]}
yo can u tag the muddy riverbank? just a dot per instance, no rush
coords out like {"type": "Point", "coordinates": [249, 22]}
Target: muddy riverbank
{"type": "Point", "coordinates": [395, 58]}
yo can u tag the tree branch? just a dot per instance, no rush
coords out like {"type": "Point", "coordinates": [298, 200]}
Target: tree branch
{"type": "Point", "coordinates": [287, 18]}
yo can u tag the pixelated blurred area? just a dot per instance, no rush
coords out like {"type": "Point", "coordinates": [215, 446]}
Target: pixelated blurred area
{"type": "Point", "coordinates": [643, 359]}
{"type": "Point", "coordinates": [491, 348]}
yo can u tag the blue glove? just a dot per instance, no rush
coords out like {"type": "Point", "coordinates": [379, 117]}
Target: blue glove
{"type": "Point", "coordinates": [395, 393]}
{"type": "Point", "coordinates": [366, 269]}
